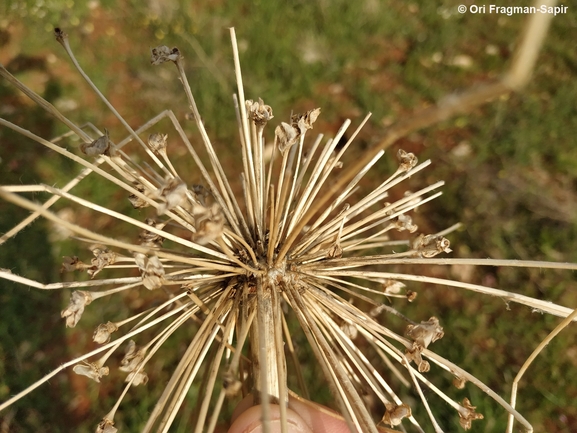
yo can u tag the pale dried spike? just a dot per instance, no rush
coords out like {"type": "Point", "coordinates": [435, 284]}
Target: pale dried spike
{"type": "Point", "coordinates": [319, 176]}
{"type": "Point", "coordinates": [214, 368]}
{"type": "Point", "coordinates": [355, 355]}
{"type": "Point", "coordinates": [344, 390]}
{"type": "Point", "coordinates": [85, 356]}
{"type": "Point", "coordinates": [62, 38]}
{"type": "Point", "coordinates": [189, 366]}
{"type": "Point", "coordinates": [564, 323]}
{"type": "Point", "coordinates": [546, 306]}
{"type": "Point", "coordinates": [109, 241]}
{"type": "Point", "coordinates": [224, 195]}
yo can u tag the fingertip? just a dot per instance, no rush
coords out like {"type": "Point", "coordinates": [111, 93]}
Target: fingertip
{"type": "Point", "coordinates": [250, 421]}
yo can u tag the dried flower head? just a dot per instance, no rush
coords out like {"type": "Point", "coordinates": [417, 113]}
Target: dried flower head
{"type": "Point", "coordinates": [297, 246]}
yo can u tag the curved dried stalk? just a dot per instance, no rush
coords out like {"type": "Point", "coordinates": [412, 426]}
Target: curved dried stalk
{"type": "Point", "coordinates": [242, 269]}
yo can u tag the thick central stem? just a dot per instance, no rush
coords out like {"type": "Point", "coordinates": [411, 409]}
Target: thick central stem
{"type": "Point", "coordinates": [267, 352]}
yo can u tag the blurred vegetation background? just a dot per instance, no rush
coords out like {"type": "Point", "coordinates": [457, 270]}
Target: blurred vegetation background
{"type": "Point", "coordinates": [510, 167]}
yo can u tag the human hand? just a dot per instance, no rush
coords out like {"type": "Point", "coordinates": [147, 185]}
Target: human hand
{"type": "Point", "coordinates": [302, 417]}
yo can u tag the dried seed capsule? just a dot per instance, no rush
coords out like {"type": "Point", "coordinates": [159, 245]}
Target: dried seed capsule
{"type": "Point", "coordinates": [285, 135]}
{"type": "Point", "coordinates": [163, 54]}
{"type": "Point", "coordinates": [106, 426]}
{"type": "Point", "coordinates": [92, 370]}
{"type": "Point", "coordinates": [407, 160]}
{"type": "Point", "coordinates": [426, 333]}
{"type": "Point", "coordinates": [103, 331]}
{"type": "Point", "coordinates": [259, 112]}
{"type": "Point", "coordinates": [395, 413]}
{"type": "Point", "coordinates": [157, 142]}
{"type": "Point", "coordinates": [78, 301]}
{"type": "Point", "coordinates": [100, 146]}
{"type": "Point", "coordinates": [305, 121]}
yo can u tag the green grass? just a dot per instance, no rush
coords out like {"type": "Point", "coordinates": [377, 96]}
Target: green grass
{"type": "Point", "coordinates": [514, 191]}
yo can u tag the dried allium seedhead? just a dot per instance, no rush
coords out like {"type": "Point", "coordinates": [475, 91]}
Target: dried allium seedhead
{"type": "Point", "coordinates": [163, 54]}
{"type": "Point", "coordinates": [428, 246]}
{"type": "Point", "coordinates": [259, 112]}
{"type": "Point", "coordinates": [395, 413]}
{"type": "Point", "coordinates": [407, 160]}
{"type": "Point", "coordinates": [103, 331]}
{"type": "Point", "coordinates": [100, 146]}
{"type": "Point", "coordinates": [91, 370]}
{"type": "Point", "coordinates": [78, 301]}
{"type": "Point", "coordinates": [284, 252]}
{"type": "Point", "coordinates": [425, 333]}
{"type": "Point", "coordinates": [157, 142]}
{"type": "Point", "coordinates": [467, 414]}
